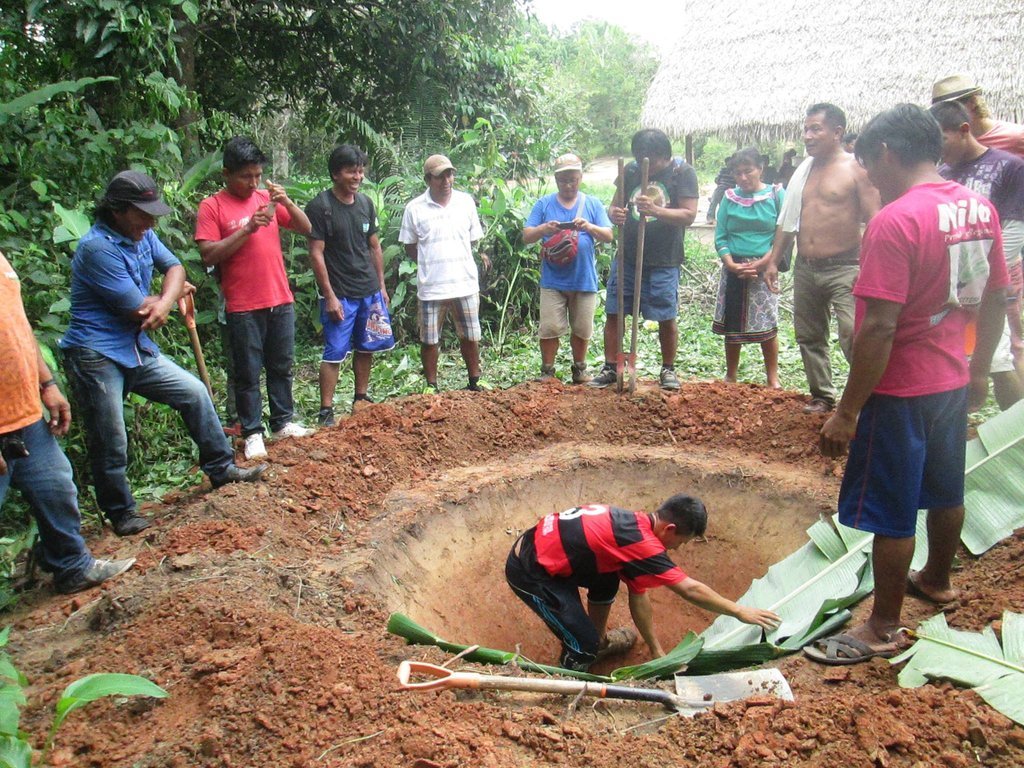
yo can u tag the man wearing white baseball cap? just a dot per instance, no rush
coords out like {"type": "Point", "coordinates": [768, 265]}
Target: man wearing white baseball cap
{"type": "Point", "coordinates": [440, 229]}
{"type": "Point", "coordinates": [569, 223]}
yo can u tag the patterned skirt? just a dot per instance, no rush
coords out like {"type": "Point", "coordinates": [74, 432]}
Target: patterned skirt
{"type": "Point", "coordinates": [746, 311]}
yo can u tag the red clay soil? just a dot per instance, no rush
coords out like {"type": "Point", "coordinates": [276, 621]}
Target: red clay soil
{"type": "Point", "coordinates": [257, 609]}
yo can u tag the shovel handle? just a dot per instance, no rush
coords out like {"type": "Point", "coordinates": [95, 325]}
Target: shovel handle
{"type": "Point", "coordinates": [187, 307]}
{"type": "Point", "coordinates": [446, 678]}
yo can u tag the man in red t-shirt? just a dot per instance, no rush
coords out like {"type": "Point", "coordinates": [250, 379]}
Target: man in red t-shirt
{"type": "Point", "coordinates": [595, 546]}
{"type": "Point", "coordinates": [931, 258]}
{"type": "Point", "coordinates": [237, 232]}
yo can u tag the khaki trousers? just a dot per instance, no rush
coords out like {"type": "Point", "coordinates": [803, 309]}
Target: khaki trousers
{"type": "Point", "coordinates": [817, 293]}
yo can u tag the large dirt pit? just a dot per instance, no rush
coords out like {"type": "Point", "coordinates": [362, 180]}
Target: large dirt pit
{"type": "Point", "coordinates": [262, 609]}
{"type": "Point", "coordinates": [445, 571]}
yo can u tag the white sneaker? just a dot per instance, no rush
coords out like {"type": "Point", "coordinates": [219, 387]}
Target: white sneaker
{"type": "Point", "coordinates": [254, 448]}
{"type": "Point", "coordinates": [292, 429]}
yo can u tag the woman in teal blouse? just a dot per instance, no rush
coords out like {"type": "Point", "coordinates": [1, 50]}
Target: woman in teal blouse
{"type": "Point", "coordinates": [746, 311]}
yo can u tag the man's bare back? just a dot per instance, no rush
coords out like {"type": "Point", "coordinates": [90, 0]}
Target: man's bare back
{"type": "Point", "coordinates": [837, 200]}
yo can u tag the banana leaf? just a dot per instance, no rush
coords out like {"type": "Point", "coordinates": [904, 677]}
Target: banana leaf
{"type": "Point", "coordinates": [828, 574]}
{"type": "Point", "coordinates": [667, 665]}
{"type": "Point", "coordinates": [401, 625]}
{"type": "Point", "coordinates": [993, 484]}
{"type": "Point", "coordinates": [47, 92]}
{"type": "Point", "coordinates": [971, 659]}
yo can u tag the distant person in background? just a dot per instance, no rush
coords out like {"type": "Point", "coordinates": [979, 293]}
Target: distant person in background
{"type": "Point", "coordinates": [747, 312]}
{"type": "Point", "coordinates": [998, 134]}
{"type": "Point", "coordinates": [769, 175]}
{"type": "Point", "coordinates": [568, 272]}
{"type": "Point", "coordinates": [347, 261]}
{"type": "Point", "coordinates": [238, 233]}
{"type": "Point", "coordinates": [723, 181]}
{"type": "Point", "coordinates": [999, 177]}
{"type": "Point", "coordinates": [670, 204]}
{"type": "Point", "coordinates": [849, 140]}
{"type": "Point", "coordinates": [787, 168]}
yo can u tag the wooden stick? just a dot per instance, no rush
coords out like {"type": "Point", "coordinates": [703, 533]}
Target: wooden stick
{"type": "Point", "coordinates": [187, 307]}
{"type": "Point", "coordinates": [620, 272]}
{"type": "Point", "coordinates": [645, 167]}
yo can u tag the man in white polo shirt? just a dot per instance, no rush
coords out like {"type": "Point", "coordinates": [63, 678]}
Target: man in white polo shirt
{"type": "Point", "coordinates": [439, 230]}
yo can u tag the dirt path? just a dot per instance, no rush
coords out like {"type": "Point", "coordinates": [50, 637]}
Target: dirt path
{"type": "Point", "coordinates": [261, 609]}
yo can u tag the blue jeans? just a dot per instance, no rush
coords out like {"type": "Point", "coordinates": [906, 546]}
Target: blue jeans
{"type": "Point", "coordinates": [100, 386]}
{"type": "Point", "coordinates": [263, 338]}
{"type": "Point", "coordinates": [44, 479]}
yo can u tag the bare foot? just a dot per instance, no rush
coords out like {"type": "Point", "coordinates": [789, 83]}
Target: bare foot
{"type": "Point", "coordinates": [774, 385]}
{"type": "Point", "coordinates": [729, 379]}
{"type": "Point", "coordinates": [917, 587]}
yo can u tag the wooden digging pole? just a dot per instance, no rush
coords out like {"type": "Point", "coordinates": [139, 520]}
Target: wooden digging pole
{"type": "Point", "coordinates": [645, 166]}
{"type": "Point", "coordinates": [620, 314]}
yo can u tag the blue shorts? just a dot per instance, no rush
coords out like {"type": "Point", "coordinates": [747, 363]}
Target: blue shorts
{"type": "Point", "coordinates": [366, 327]}
{"type": "Point", "coordinates": [908, 454]}
{"type": "Point", "coordinates": [659, 292]}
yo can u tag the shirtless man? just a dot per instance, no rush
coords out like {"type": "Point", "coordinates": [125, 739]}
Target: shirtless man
{"type": "Point", "coordinates": [833, 199]}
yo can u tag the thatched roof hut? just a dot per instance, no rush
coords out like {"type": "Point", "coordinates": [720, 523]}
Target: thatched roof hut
{"type": "Point", "coordinates": [762, 63]}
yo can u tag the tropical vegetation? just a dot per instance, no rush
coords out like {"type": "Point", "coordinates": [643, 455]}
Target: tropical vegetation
{"type": "Point", "coordinates": [94, 86]}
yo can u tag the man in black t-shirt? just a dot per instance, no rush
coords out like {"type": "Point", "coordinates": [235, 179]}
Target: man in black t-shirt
{"type": "Point", "coordinates": [670, 204]}
{"type": "Point", "coordinates": [348, 264]}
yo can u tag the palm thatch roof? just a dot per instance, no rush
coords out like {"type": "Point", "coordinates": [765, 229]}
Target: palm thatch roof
{"type": "Point", "coordinates": [748, 70]}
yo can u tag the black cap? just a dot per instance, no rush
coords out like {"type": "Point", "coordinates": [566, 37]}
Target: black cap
{"type": "Point", "coordinates": [139, 190]}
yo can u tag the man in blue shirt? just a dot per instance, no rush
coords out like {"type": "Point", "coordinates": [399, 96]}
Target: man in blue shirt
{"type": "Point", "coordinates": [109, 354]}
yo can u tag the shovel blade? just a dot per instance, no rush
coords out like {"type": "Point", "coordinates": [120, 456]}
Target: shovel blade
{"type": "Point", "coordinates": [734, 686]}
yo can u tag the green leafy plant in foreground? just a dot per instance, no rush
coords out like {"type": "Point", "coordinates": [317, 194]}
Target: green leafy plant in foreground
{"type": "Point", "coordinates": [15, 747]}
{"type": "Point", "coordinates": [972, 659]}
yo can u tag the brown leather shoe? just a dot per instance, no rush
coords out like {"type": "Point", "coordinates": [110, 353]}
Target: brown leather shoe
{"type": "Point", "coordinates": [818, 405]}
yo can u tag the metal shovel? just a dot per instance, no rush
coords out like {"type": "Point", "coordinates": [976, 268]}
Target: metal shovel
{"type": "Point", "coordinates": [733, 686]}
{"type": "Point", "coordinates": [441, 678]}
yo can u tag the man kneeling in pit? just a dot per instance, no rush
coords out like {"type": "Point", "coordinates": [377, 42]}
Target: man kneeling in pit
{"type": "Point", "coordinates": [597, 545]}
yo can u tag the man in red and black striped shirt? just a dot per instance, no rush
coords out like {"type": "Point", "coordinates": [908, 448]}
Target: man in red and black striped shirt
{"type": "Point", "coordinates": [595, 546]}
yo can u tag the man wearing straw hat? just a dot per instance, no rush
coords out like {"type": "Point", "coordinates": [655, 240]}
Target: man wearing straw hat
{"type": "Point", "coordinates": [990, 132]}
{"type": "Point", "coordinates": [569, 223]}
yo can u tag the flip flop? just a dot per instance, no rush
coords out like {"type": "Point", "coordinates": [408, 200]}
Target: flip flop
{"type": "Point", "coordinates": [914, 590]}
{"type": "Point", "coordinates": [843, 650]}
